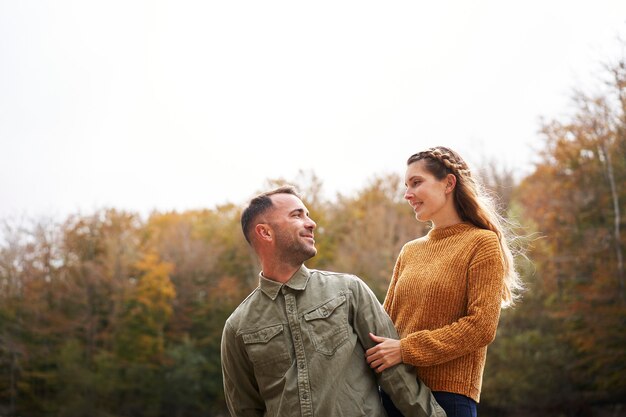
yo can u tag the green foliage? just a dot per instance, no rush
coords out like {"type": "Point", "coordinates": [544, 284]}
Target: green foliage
{"type": "Point", "coordinates": [528, 359]}
{"type": "Point", "coordinates": [77, 381]}
{"type": "Point", "coordinates": [187, 380]}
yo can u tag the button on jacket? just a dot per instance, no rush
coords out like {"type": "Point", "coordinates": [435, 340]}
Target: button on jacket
{"type": "Point", "coordinates": [298, 349]}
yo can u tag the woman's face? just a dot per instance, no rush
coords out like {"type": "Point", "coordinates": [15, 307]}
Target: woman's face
{"type": "Point", "coordinates": [425, 193]}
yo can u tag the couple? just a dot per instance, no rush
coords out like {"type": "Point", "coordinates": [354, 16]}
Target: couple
{"type": "Point", "coordinates": [317, 343]}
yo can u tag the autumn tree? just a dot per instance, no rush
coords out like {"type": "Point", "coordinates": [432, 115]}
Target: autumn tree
{"type": "Point", "coordinates": [370, 228]}
{"type": "Point", "coordinates": [576, 198]}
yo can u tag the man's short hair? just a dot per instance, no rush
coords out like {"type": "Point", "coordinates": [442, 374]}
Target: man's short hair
{"type": "Point", "coordinates": [259, 205]}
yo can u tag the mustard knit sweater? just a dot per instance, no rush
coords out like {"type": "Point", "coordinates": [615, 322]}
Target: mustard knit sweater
{"type": "Point", "coordinates": [444, 299]}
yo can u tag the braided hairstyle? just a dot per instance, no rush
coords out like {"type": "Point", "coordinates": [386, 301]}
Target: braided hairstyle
{"type": "Point", "coordinates": [475, 206]}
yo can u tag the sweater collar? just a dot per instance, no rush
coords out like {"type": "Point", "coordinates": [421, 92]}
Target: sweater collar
{"type": "Point", "coordinates": [444, 232]}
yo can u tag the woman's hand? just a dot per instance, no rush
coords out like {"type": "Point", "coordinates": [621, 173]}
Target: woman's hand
{"type": "Point", "coordinates": [385, 354]}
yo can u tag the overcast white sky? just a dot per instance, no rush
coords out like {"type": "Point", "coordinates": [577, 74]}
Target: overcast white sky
{"type": "Point", "coordinates": [143, 105]}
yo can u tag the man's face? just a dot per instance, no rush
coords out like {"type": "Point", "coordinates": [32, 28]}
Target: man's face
{"type": "Point", "coordinates": [293, 229]}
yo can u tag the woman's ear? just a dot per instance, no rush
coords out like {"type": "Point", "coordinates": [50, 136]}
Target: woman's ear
{"type": "Point", "coordinates": [450, 183]}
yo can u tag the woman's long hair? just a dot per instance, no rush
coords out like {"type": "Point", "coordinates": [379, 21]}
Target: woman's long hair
{"type": "Point", "coordinates": [475, 206]}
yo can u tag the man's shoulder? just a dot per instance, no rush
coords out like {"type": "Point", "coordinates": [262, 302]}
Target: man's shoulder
{"type": "Point", "coordinates": [329, 273]}
{"type": "Point", "coordinates": [333, 275]}
{"type": "Point", "coordinates": [330, 278]}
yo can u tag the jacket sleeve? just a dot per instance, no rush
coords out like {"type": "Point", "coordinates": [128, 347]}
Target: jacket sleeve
{"type": "Point", "coordinates": [240, 388]}
{"type": "Point", "coordinates": [485, 283]}
{"type": "Point", "coordinates": [410, 395]}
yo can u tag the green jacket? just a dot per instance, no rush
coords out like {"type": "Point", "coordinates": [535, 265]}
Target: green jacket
{"type": "Point", "coordinates": [298, 349]}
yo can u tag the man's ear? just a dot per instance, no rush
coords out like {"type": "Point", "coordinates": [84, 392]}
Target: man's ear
{"type": "Point", "coordinates": [263, 231]}
{"type": "Point", "coordinates": [450, 183]}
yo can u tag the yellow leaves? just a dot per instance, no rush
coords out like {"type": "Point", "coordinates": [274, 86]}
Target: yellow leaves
{"type": "Point", "coordinates": [148, 309]}
{"type": "Point", "coordinates": [154, 290]}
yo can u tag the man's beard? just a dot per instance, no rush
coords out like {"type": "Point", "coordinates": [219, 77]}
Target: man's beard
{"type": "Point", "coordinates": [293, 251]}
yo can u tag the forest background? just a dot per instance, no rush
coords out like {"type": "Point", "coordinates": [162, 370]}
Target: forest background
{"type": "Point", "coordinates": [109, 314]}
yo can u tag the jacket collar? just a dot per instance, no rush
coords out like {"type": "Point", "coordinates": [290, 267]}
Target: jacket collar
{"type": "Point", "coordinates": [297, 282]}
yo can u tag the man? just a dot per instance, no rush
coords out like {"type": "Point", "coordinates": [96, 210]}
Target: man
{"type": "Point", "coordinates": [296, 345]}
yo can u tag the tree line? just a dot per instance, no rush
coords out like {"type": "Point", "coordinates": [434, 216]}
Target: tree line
{"type": "Point", "coordinates": [109, 314]}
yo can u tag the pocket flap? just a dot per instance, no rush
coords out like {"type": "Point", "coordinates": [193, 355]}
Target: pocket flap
{"type": "Point", "coordinates": [263, 335]}
{"type": "Point", "coordinates": [325, 310]}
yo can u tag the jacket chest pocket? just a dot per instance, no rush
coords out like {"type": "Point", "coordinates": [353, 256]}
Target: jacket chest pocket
{"type": "Point", "coordinates": [267, 350]}
{"type": "Point", "coordinates": [328, 325]}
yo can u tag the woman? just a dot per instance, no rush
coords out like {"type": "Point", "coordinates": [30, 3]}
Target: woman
{"type": "Point", "coordinates": [448, 286]}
